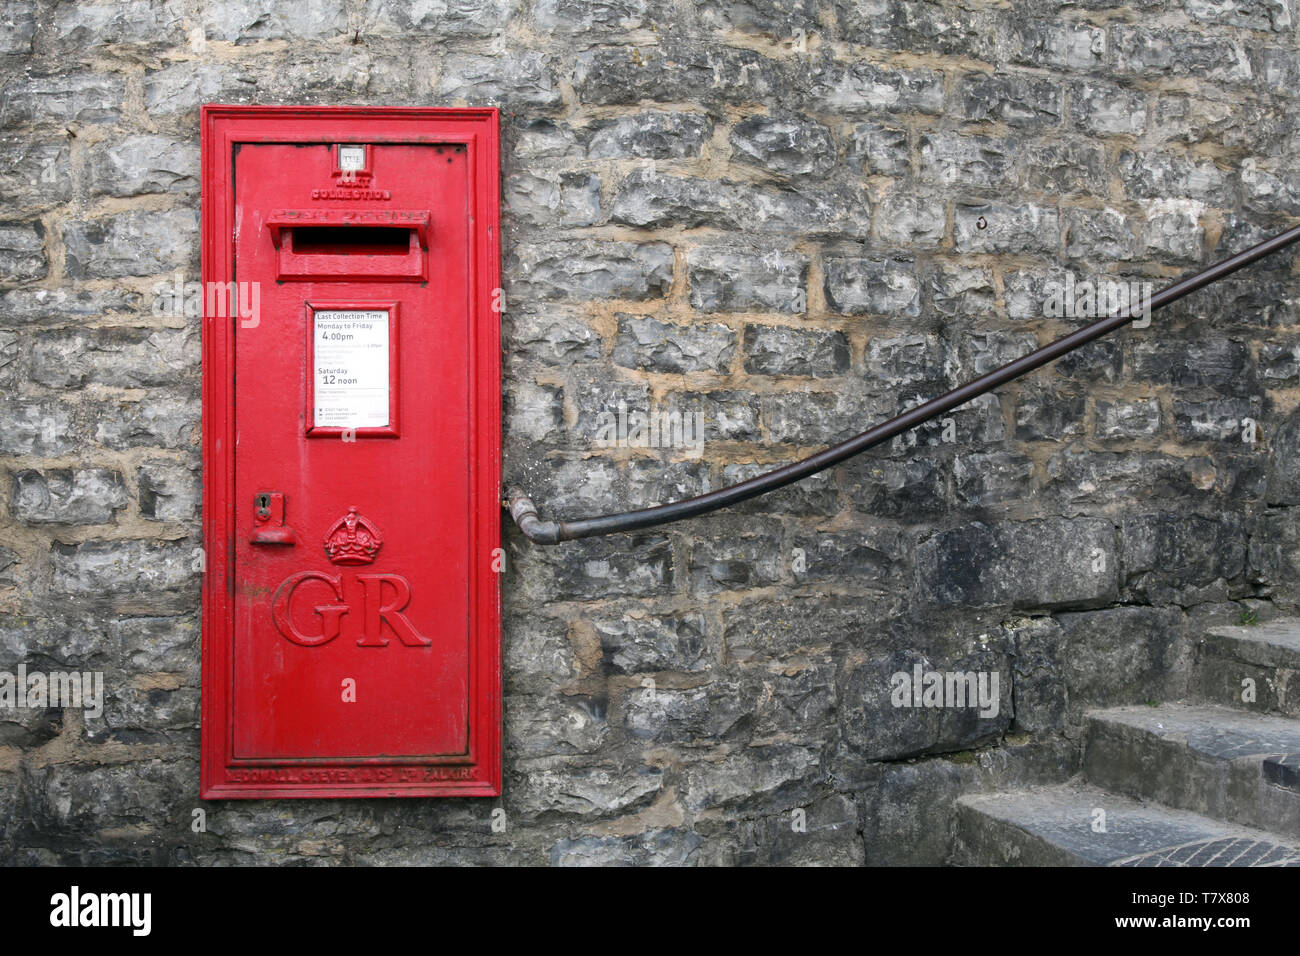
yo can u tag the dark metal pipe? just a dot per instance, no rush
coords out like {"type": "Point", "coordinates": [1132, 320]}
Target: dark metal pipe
{"type": "Point", "coordinates": [539, 531]}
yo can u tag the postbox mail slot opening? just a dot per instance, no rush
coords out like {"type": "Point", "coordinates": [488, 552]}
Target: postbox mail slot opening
{"type": "Point", "coordinates": [342, 252]}
{"type": "Point", "coordinates": [352, 241]}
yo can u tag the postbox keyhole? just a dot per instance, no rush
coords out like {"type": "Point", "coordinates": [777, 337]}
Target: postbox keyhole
{"type": "Point", "coordinates": [268, 519]}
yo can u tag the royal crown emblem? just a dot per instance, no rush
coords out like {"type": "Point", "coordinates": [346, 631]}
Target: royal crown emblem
{"type": "Point", "coordinates": [352, 540]}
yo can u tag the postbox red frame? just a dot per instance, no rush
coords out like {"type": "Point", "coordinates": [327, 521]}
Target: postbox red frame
{"type": "Point", "coordinates": [477, 130]}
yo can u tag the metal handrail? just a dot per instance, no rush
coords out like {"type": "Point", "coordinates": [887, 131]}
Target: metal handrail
{"type": "Point", "coordinates": [524, 512]}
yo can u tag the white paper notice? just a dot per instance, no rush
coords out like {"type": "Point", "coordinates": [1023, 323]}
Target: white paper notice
{"type": "Point", "coordinates": [351, 349]}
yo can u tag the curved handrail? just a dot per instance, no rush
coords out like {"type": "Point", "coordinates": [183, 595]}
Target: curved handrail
{"type": "Point", "coordinates": [540, 531]}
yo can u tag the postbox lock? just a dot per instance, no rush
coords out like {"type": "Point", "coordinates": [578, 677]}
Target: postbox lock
{"type": "Point", "coordinates": [268, 520]}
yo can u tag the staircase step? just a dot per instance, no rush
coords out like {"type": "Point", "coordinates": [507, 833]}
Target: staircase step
{"type": "Point", "coordinates": [1055, 827]}
{"type": "Point", "coordinates": [1267, 653]}
{"type": "Point", "coordinates": [1224, 763]}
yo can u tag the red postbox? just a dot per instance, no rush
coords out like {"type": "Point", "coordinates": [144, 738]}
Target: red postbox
{"type": "Point", "coordinates": [351, 443]}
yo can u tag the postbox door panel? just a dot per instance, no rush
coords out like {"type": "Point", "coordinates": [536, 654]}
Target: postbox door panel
{"type": "Point", "coordinates": [349, 629]}
{"type": "Point", "coordinates": [346, 642]}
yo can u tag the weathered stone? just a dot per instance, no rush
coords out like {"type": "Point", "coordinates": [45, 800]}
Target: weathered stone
{"type": "Point", "coordinates": [735, 562]}
{"type": "Point", "coordinates": [1167, 552]}
{"type": "Point", "coordinates": [755, 773]}
{"type": "Point", "coordinates": [638, 642]}
{"type": "Point", "coordinates": [906, 361]}
{"type": "Point", "coordinates": [778, 350]}
{"type": "Point", "coordinates": [1108, 110]}
{"type": "Point", "coordinates": [534, 412]}
{"type": "Point", "coordinates": [1284, 462]}
{"type": "Point", "coordinates": [36, 427]}
{"type": "Point", "coordinates": [822, 833]}
{"type": "Point", "coordinates": [875, 556]}
{"type": "Point", "coordinates": [872, 286]}
{"type": "Point", "coordinates": [1218, 420]}
{"type": "Point", "coordinates": [879, 150]}
{"type": "Point", "coordinates": [786, 145]}
{"type": "Point", "coordinates": [728, 415]}
{"type": "Point", "coordinates": [1122, 655]}
{"type": "Point", "coordinates": [1047, 414]}
{"type": "Point", "coordinates": [1052, 562]}
{"type": "Point", "coordinates": [655, 848]}
{"type": "Point", "coordinates": [683, 72]}
{"type": "Point", "coordinates": [1139, 418]}
{"type": "Point", "coordinates": [552, 336]}
{"type": "Point", "coordinates": [22, 252]}
{"type": "Point", "coordinates": [539, 657]}
{"type": "Point", "coordinates": [1102, 235]}
{"type": "Point", "coordinates": [644, 342]}
{"type": "Point", "coordinates": [650, 135]}
{"type": "Point", "coordinates": [459, 18]}
{"type": "Point", "coordinates": [996, 228]}
{"type": "Point", "coordinates": [1059, 44]}
{"type": "Point", "coordinates": [598, 568]}
{"type": "Point", "coordinates": [909, 220]}
{"type": "Point", "coordinates": [1102, 478]}
{"type": "Point", "coordinates": [569, 199]}
{"type": "Point", "coordinates": [20, 27]}
{"type": "Point", "coordinates": [1064, 168]}
{"type": "Point", "coordinates": [160, 422]}
{"type": "Point", "coordinates": [524, 80]}
{"type": "Point", "coordinates": [555, 725]}
{"type": "Point", "coordinates": [130, 575]}
{"type": "Point", "coordinates": [819, 418]}
{"type": "Point", "coordinates": [724, 280]}
{"type": "Point", "coordinates": [181, 87]}
{"type": "Point", "coordinates": [144, 164]}
{"type": "Point", "coordinates": [1189, 364]}
{"type": "Point", "coordinates": [132, 244]}
{"type": "Point", "coordinates": [990, 478]}
{"type": "Point", "coordinates": [649, 198]}
{"type": "Point", "coordinates": [63, 98]}
{"type": "Point", "coordinates": [67, 496]}
{"type": "Point", "coordinates": [589, 792]}
{"type": "Point", "coordinates": [47, 306]}
{"type": "Point", "coordinates": [1155, 175]}
{"type": "Point", "coordinates": [583, 269]}
{"type": "Point", "coordinates": [1014, 100]}
{"type": "Point", "coordinates": [954, 289]}
{"type": "Point", "coordinates": [129, 358]}
{"type": "Point", "coordinates": [866, 87]}
{"type": "Point", "coordinates": [1145, 51]}
{"type": "Point", "coordinates": [886, 714]}
{"type": "Point", "coordinates": [34, 172]}
{"type": "Point", "coordinates": [949, 159]}
{"type": "Point", "coordinates": [915, 488]}
{"type": "Point", "coordinates": [169, 490]}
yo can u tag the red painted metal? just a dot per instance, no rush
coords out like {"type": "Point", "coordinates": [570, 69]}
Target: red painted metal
{"type": "Point", "coordinates": [351, 621]}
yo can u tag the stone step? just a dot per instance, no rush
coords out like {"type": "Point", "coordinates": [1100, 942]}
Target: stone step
{"type": "Point", "coordinates": [1057, 826]}
{"type": "Point", "coordinates": [1223, 763]}
{"type": "Point", "coordinates": [1268, 654]}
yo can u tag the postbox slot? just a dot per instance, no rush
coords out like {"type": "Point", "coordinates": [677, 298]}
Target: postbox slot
{"type": "Point", "coordinates": [352, 240]}
{"type": "Point", "coordinates": [340, 244]}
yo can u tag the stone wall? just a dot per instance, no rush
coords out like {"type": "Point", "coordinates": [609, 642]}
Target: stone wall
{"type": "Point", "coordinates": [796, 218]}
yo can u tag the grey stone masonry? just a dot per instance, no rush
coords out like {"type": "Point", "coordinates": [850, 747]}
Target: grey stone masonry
{"type": "Point", "coordinates": [795, 220]}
